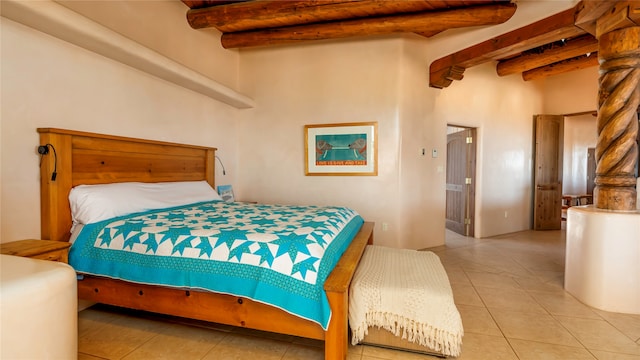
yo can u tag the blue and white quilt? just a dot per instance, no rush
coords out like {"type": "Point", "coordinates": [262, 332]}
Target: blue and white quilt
{"type": "Point", "coordinates": [275, 254]}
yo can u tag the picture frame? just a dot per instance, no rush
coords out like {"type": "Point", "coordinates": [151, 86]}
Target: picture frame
{"type": "Point", "coordinates": [341, 149]}
{"type": "Point", "coordinates": [226, 193]}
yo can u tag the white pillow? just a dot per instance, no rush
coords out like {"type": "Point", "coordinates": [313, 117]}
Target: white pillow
{"type": "Point", "coordinates": [93, 203]}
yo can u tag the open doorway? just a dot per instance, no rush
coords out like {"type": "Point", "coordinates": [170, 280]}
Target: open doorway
{"type": "Point", "coordinates": [461, 179]}
{"type": "Point", "coordinates": [579, 164]}
{"type": "Point", "coordinates": [564, 166]}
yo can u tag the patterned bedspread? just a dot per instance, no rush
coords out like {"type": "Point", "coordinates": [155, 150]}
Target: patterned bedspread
{"type": "Point", "coordinates": [275, 254]}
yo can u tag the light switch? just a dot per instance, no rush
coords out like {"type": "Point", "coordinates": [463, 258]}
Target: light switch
{"type": "Point", "coordinates": [434, 153]}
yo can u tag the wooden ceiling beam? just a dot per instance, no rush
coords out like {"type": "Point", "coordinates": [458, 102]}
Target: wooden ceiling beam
{"type": "Point", "coordinates": [196, 4]}
{"type": "Point", "coordinates": [568, 49]}
{"type": "Point", "coordinates": [623, 14]}
{"type": "Point", "coordinates": [554, 28]}
{"type": "Point", "coordinates": [254, 15]}
{"type": "Point", "coordinates": [577, 63]}
{"type": "Point", "coordinates": [428, 22]}
{"type": "Point", "coordinates": [610, 15]}
{"type": "Point", "coordinates": [589, 11]}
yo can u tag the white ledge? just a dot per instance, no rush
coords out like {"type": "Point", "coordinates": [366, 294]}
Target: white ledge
{"type": "Point", "coordinates": [67, 25]}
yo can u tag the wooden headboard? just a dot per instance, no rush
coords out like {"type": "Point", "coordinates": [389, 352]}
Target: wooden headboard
{"type": "Point", "coordinates": [88, 158]}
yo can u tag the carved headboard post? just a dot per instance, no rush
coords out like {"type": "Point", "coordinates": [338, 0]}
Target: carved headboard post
{"type": "Point", "coordinates": [88, 158]}
{"type": "Point", "coordinates": [55, 215]}
{"type": "Point", "coordinates": [210, 170]}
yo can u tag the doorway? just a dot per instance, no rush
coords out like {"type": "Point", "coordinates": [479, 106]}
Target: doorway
{"type": "Point", "coordinates": [461, 179]}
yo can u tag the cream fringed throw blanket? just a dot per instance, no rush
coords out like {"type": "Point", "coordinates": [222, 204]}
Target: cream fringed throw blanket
{"type": "Point", "coordinates": [406, 292]}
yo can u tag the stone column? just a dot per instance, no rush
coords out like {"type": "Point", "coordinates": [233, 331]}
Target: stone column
{"type": "Point", "coordinates": [618, 101]}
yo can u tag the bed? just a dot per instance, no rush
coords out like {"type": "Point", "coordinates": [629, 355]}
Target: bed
{"type": "Point", "coordinates": [88, 158]}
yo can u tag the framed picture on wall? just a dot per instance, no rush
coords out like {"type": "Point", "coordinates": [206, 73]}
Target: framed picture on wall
{"type": "Point", "coordinates": [341, 149]}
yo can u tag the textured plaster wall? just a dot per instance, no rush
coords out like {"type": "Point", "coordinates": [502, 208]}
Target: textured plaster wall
{"type": "Point", "coordinates": [47, 82]}
{"type": "Point", "coordinates": [386, 80]}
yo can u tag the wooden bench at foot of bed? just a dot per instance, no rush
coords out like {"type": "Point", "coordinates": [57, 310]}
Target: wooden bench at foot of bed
{"type": "Point", "coordinates": [402, 299]}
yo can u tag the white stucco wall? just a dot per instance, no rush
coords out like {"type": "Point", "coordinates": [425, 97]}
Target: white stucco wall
{"type": "Point", "coordinates": [386, 80]}
{"type": "Point", "coordinates": [572, 92]}
{"type": "Point", "coordinates": [502, 110]}
{"type": "Point", "coordinates": [162, 25]}
{"type": "Point", "coordinates": [47, 82]}
{"type": "Point", "coordinates": [332, 82]}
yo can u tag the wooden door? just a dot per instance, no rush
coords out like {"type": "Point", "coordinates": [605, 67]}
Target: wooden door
{"type": "Point", "coordinates": [547, 213]}
{"type": "Point", "coordinates": [591, 170]}
{"type": "Point", "coordinates": [460, 196]}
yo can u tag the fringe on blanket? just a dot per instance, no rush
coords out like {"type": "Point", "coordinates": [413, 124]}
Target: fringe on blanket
{"type": "Point", "coordinates": [439, 340]}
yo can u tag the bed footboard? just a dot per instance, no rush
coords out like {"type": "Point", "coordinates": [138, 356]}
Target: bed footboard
{"type": "Point", "coordinates": [337, 288]}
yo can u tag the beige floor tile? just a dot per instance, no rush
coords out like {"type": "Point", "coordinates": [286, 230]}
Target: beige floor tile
{"type": "Point", "coordinates": [436, 249]}
{"type": "Point", "coordinates": [355, 349]}
{"type": "Point", "coordinates": [466, 295]}
{"type": "Point", "coordinates": [390, 354]}
{"type": "Point", "coordinates": [458, 277]}
{"type": "Point", "coordinates": [265, 334]}
{"type": "Point", "coordinates": [93, 319]}
{"type": "Point", "coordinates": [509, 299]}
{"type": "Point", "coordinates": [600, 335]}
{"type": "Point", "coordinates": [242, 347]}
{"type": "Point", "coordinates": [484, 347]}
{"type": "Point", "coordinates": [563, 304]}
{"type": "Point", "coordinates": [82, 356]}
{"type": "Point", "coordinates": [472, 266]}
{"type": "Point", "coordinates": [501, 264]}
{"type": "Point", "coordinates": [628, 324]}
{"type": "Point", "coordinates": [498, 281]}
{"type": "Point", "coordinates": [537, 284]}
{"type": "Point", "coordinates": [302, 352]}
{"type": "Point", "coordinates": [604, 355]}
{"type": "Point", "coordinates": [531, 350]}
{"type": "Point", "coordinates": [534, 327]}
{"type": "Point", "coordinates": [551, 277]}
{"type": "Point", "coordinates": [519, 276]}
{"type": "Point", "coordinates": [516, 271]}
{"type": "Point", "coordinates": [117, 338]}
{"type": "Point", "coordinates": [178, 342]}
{"type": "Point", "coordinates": [540, 262]}
{"type": "Point", "coordinates": [308, 342]}
{"type": "Point", "coordinates": [478, 320]}
{"type": "Point", "coordinates": [452, 265]}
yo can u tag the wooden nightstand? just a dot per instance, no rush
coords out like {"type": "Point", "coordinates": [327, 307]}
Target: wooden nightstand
{"type": "Point", "coordinates": [38, 249]}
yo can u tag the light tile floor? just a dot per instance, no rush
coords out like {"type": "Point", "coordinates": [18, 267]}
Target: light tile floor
{"type": "Point", "coordinates": [508, 290]}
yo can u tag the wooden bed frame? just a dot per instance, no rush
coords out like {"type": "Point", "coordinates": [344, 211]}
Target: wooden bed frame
{"type": "Point", "coordinates": [88, 158]}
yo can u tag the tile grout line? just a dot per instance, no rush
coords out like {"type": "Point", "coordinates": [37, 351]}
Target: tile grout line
{"type": "Point", "coordinates": [492, 317]}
